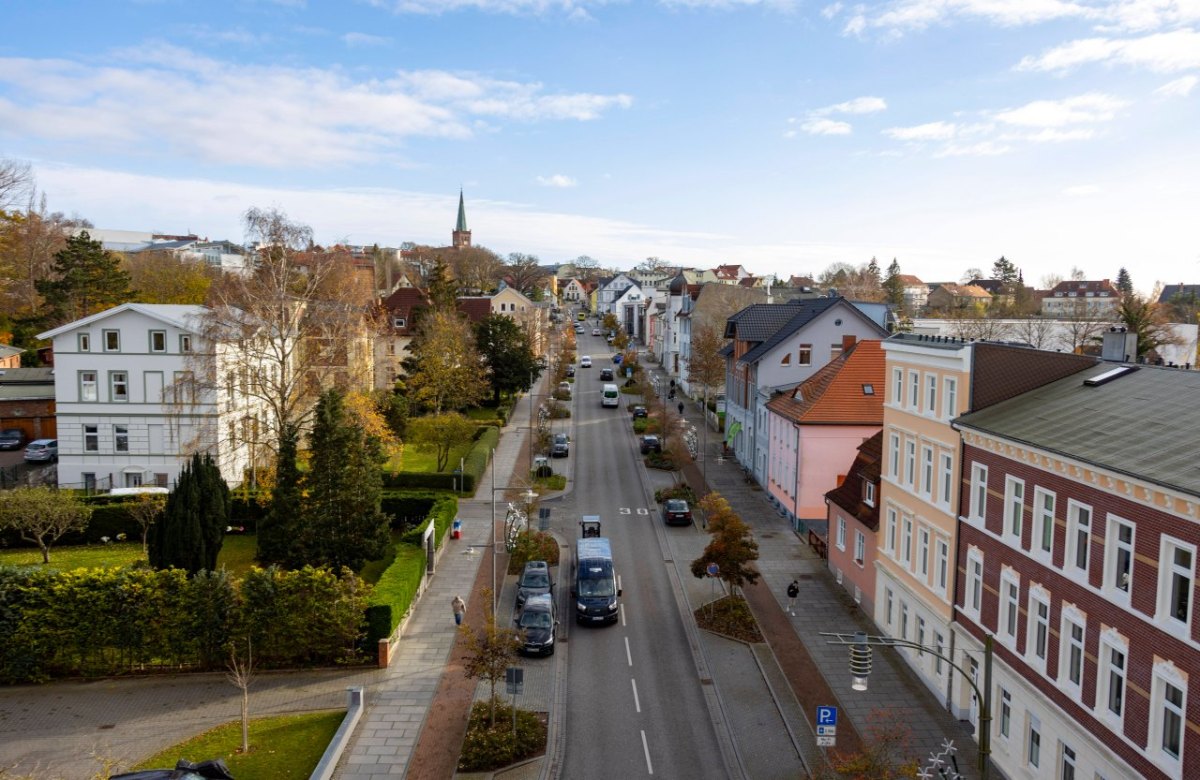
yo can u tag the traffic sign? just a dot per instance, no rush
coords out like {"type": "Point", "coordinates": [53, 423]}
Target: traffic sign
{"type": "Point", "coordinates": [826, 731]}
{"type": "Point", "coordinates": [827, 716]}
{"type": "Point", "coordinates": [713, 570]}
{"type": "Point", "coordinates": [514, 678]}
{"type": "Point", "coordinates": [826, 741]}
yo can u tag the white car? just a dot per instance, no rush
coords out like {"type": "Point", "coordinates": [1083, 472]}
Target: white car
{"type": "Point", "coordinates": [595, 331]}
{"type": "Point", "coordinates": [585, 361]}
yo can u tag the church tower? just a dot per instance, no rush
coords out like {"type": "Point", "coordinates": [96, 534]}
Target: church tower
{"type": "Point", "coordinates": [461, 236]}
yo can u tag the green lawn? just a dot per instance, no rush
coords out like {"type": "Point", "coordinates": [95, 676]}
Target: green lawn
{"type": "Point", "coordinates": [281, 748]}
{"type": "Point", "coordinates": [237, 555]}
{"type": "Point", "coordinates": [425, 461]}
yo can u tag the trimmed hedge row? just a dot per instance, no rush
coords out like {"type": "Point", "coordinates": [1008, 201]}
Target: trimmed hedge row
{"type": "Point", "coordinates": [474, 465]}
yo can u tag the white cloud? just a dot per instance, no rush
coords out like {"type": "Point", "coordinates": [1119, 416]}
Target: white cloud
{"type": "Point", "coordinates": [1168, 52]}
{"type": "Point", "coordinates": [826, 127]}
{"type": "Point", "coordinates": [1050, 135]}
{"type": "Point", "coordinates": [572, 8]}
{"type": "Point", "coordinates": [557, 180]}
{"type": "Point", "coordinates": [859, 105]}
{"type": "Point", "coordinates": [1179, 87]}
{"type": "Point", "coordinates": [931, 131]}
{"type": "Point", "coordinates": [981, 149]}
{"type": "Point", "coordinates": [1082, 190]}
{"type": "Point", "coordinates": [904, 15]}
{"type": "Point", "coordinates": [160, 95]}
{"type": "Point", "coordinates": [831, 11]}
{"type": "Point", "coordinates": [1090, 108]}
{"type": "Point", "coordinates": [353, 39]}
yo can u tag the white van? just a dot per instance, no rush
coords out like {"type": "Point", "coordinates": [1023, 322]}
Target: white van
{"type": "Point", "coordinates": [610, 396]}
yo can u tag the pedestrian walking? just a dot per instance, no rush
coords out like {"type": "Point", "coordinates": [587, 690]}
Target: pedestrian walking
{"type": "Point", "coordinates": [460, 608]}
{"type": "Point", "coordinates": [793, 591]}
{"type": "Point", "coordinates": [681, 408]}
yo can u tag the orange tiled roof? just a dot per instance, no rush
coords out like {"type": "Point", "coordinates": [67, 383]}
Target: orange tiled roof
{"type": "Point", "coordinates": [835, 395]}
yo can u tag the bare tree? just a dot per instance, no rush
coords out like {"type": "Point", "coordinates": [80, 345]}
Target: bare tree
{"type": "Point", "coordinates": [146, 509]}
{"type": "Point", "coordinates": [490, 650]}
{"type": "Point", "coordinates": [1077, 274]}
{"type": "Point", "coordinates": [706, 366]}
{"type": "Point", "coordinates": [1038, 332]}
{"type": "Point", "coordinates": [1083, 324]}
{"type": "Point", "coordinates": [16, 182]}
{"type": "Point", "coordinates": [28, 242]}
{"type": "Point", "coordinates": [476, 268]}
{"type": "Point", "coordinates": [1050, 281]}
{"type": "Point", "coordinates": [524, 272]}
{"type": "Point", "coordinates": [973, 323]}
{"type": "Point", "coordinates": [240, 672]}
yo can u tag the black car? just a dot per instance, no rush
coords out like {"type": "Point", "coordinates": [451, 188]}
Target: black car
{"type": "Point", "coordinates": [536, 624]}
{"type": "Point", "coordinates": [606, 375]}
{"type": "Point", "coordinates": [651, 443]}
{"type": "Point", "coordinates": [676, 512]}
{"type": "Point", "coordinates": [640, 411]}
{"type": "Point", "coordinates": [11, 439]}
{"type": "Point", "coordinates": [570, 370]}
{"type": "Point", "coordinates": [535, 580]}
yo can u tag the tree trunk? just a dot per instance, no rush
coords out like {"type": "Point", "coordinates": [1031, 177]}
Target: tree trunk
{"type": "Point", "coordinates": [245, 720]}
{"type": "Point", "coordinates": [45, 552]}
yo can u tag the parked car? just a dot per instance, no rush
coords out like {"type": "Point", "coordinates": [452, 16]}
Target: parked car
{"type": "Point", "coordinates": [617, 358]}
{"type": "Point", "coordinates": [561, 447]}
{"type": "Point", "coordinates": [570, 370]}
{"type": "Point", "coordinates": [651, 443]}
{"type": "Point", "coordinates": [537, 623]}
{"type": "Point", "coordinates": [578, 328]}
{"type": "Point", "coordinates": [585, 361]}
{"type": "Point", "coordinates": [595, 331]}
{"type": "Point", "coordinates": [640, 411]}
{"type": "Point", "coordinates": [11, 439]}
{"type": "Point", "coordinates": [564, 387]}
{"type": "Point", "coordinates": [606, 375]}
{"type": "Point", "coordinates": [676, 512]}
{"type": "Point", "coordinates": [535, 580]}
{"type": "Point", "coordinates": [42, 450]}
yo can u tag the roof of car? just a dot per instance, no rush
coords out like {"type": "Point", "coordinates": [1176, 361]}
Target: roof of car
{"type": "Point", "coordinates": [536, 565]}
{"type": "Point", "coordinates": [542, 600]}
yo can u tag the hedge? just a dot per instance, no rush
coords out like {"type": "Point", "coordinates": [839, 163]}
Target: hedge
{"type": "Point", "coordinates": [475, 463]}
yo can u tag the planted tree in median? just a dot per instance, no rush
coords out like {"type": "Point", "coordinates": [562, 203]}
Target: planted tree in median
{"type": "Point", "coordinates": [732, 548]}
{"type": "Point", "coordinates": [490, 650]}
{"type": "Point", "coordinates": [42, 515]}
{"type": "Point", "coordinates": [192, 528]}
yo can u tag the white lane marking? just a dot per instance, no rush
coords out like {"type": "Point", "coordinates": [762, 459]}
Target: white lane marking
{"type": "Point", "coordinates": [628, 655]}
{"type": "Point", "coordinates": [637, 704]}
{"type": "Point", "coordinates": [618, 583]}
{"type": "Point", "coordinates": [646, 750]}
{"type": "Point", "coordinates": [622, 614]}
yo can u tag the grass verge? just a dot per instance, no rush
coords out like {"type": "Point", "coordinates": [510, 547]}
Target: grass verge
{"type": "Point", "coordinates": [237, 555]}
{"type": "Point", "coordinates": [729, 616]}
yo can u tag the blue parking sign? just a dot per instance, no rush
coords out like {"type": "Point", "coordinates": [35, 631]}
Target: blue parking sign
{"type": "Point", "coordinates": [826, 716]}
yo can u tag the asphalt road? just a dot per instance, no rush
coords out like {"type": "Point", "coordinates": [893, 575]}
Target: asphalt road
{"type": "Point", "coordinates": [635, 706]}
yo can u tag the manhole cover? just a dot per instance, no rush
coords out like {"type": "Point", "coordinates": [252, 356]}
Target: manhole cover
{"type": "Point", "coordinates": [104, 726]}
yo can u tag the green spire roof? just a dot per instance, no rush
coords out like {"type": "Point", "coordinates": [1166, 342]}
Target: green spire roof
{"type": "Point", "coordinates": [462, 214]}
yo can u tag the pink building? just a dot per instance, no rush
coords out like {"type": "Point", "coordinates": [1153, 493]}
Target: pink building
{"type": "Point", "coordinates": [853, 523]}
{"type": "Point", "coordinates": [816, 429]}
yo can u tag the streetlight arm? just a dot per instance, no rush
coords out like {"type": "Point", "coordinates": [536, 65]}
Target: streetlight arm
{"type": "Point", "coordinates": [887, 641]}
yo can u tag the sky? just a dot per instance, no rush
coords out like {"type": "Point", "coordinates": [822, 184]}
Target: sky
{"type": "Point", "coordinates": [778, 134]}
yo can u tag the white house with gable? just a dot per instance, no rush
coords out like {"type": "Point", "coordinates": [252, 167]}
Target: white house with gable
{"type": "Point", "coordinates": [130, 411]}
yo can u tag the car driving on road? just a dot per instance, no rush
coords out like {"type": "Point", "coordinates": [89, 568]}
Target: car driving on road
{"type": "Point", "coordinates": [585, 361]}
{"type": "Point", "coordinates": [606, 375]}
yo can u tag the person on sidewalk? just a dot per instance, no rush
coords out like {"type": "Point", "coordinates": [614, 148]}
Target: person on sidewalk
{"type": "Point", "coordinates": [681, 408]}
{"type": "Point", "coordinates": [793, 591]}
{"type": "Point", "coordinates": [460, 608]}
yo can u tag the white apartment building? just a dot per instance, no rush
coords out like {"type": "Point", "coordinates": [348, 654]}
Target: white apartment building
{"type": "Point", "coordinates": [130, 411]}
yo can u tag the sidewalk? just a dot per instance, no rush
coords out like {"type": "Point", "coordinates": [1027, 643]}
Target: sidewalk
{"type": "Point", "coordinates": [817, 672]}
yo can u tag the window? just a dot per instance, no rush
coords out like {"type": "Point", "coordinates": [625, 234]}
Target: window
{"type": "Point", "coordinates": [1079, 535]}
{"type": "Point", "coordinates": [894, 455]}
{"type": "Point", "coordinates": [1005, 713]}
{"type": "Point", "coordinates": [185, 343]}
{"type": "Point", "coordinates": [910, 463]}
{"type": "Point", "coordinates": [158, 341]}
{"type": "Point", "coordinates": [923, 553]}
{"type": "Point", "coordinates": [1176, 580]}
{"type": "Point", "coordinates": [786, 360]}
{"type": "Point", "coordinates": [891, 531]}
{"type": "Point", "coordinates": [868, 492]}
{"type": "Point", "coordinates": [927, 472]}
{"type": "Point", "coordinates": [835, 351]}
{"type": "Point", "coordinates": [1070, 659]}
{"type": "Point", "coordinates": [1167, 711]}
{"type": "Point", "coordinates": [979, 475]}
{"type": "Point", "coordinates": [897, 387]}
{"type": "Point", "coordinates": [868, 389]}
{"type": "Point", "coordinates": [946, 477]}
{"type": "Point", "coordinates": [931, 393]}
{"type": "Point", "coordinates": [133, 480]}
{"type": "Point", "coordinates": [1010, 606]}
{"type": "Point", "coordinates": [920, 634]}
{"type": "Point", "coordinates": [903, 620]}
{"type": "Point", "coordinates": [85, 342]}
{"type": "Point", "coordinates": [950, 398]}
{"type": "Point", "coordinates": [1068, 763]}
{"type": "Point", "coordinates": [121, 438]}
{"type": "Point", "coordinates": [1038, 642]}
{"type": "Point", "coordinates": [974, 581]}
{"type": "Point", "coordinates": [1035, 742]}
{"type": "Point", "coordinates": [942, 567]}
{"type": "Point", "coordinates": [906, 542]}
{"type": "Point", "coordinates": [91, 438]}
{"type": "Point", "coordinates": [1043, 522]}
{"type": "Point", "coordinates": [1118, 564]}
{"type": "Point", "coordinates": [841, 533]}
{"type": "Point", "coordinates": [939, 644]}
{"type": "Point", "coordinates": [1110, 687]}
{"type": "Point", "coordinates": [914, 390]}
{"type": "Point", "coordinates": [887, 608]}
{"type": "Point", "coordinates": [87, 386]}
{"type": "Point", "coordinates": [804, 355]}
{"type": "Point", "coordinates": [860, 548]}
{"type": "Point", "coordinates": [118, 385]}
{"type": "Point", "coordinates": [398, 322]}
{"type": "Point", "coordinates": [112, 341]}
{"type": "Point", "coordinates": [1014, 509]}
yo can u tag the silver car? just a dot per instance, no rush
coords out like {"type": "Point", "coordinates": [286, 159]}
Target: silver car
{"type": "Point", "coordinates": [41, 450]}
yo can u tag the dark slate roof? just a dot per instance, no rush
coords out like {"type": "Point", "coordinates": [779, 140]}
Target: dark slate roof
{"type": "Point", "coordinates": [1142, 424]}
{"type": "Point", "coordinates": [1169, 291]}
{"type": "Point", "coordinates": [803, 313]}
{"type": "Point", "coordinates": [759, 321]}
{"type": "Point", "coordinates": [848, 495]}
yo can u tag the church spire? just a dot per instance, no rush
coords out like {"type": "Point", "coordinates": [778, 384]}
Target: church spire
{"type": "Point", "coordinates": [461, 236]}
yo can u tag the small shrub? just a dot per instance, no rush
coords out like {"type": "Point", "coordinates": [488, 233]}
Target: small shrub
{"type": "Point", "coordinates": [532, 546]}
{"type": "Point", "coordinates": [486, 749]}
{"type": "Point", "coordinates": [551, 481]}
{"type": "Point", "coordinates": [661, 460]}
{"type": "Point", "coordinates": [641, 424]}
{"type": "Point", "coordinates": [683, 491]}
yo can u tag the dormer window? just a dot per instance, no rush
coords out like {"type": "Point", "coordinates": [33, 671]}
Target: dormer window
{"type": "Point", "coordinates": [868, 389]}
{"type": "Point", "coordinates": [868, 492]}
{"type": "Point", "coordinates": [398, 322]}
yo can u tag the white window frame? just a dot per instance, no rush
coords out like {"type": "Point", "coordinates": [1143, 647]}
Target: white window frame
{"type": "Point", "coordinates": [113, 384]}
{"type": "Point", "coordinates": [1005, 717]}
{"type": "Point", "coordinates": [910, 464]}
{"type": "Point", "coordinates": [185, 343]}
{"type": "Point", "coordinates": [84, 342]}
{"type": "Point", "coordinates": [914, 391]}
{"type": "Point", "coordinates": [941, 568]}
{"type": "Point", "coordinates": [923, 554]}
{"type": "Point", "coordinates": [860, 548]}
{"type": "Point", "coordinates": [979, 477]}
{"type": "Point", "coordinates": [1072, 647]}
{"type": "Point", "coordinates": [161, 337]}
{"type": "Point", "coordinates": [1009, 620]}
{"type": "Point", "coordinates": [1037, 628]}
{"type": "Point", "coordinates": [950, 397]}
{"type": "Point", "coordinates": [903, 619]}
{"type": "Point", "coordinates": [91, 437]}
{"type": "Point", "coordinates": [927, 471]}
{"type": "Point", "coordinates": [1111, 641]}
{"type": "Point", "coordinates": [120, 438]}
{"type": "Point", "coordinates": [1117, 550]}
{"type": "Point", "coordinates": [1068, 769]}
{"type": "Point", "coordinates": [1075, 512]}
{"type": "Point", "coordinates": [890, 538]}
{"type": "Point", "coordinates": [946, 478]}
{"type": "Point", "coordinates": [973, 602]}
{"type": "Point", "coordinates": [841, 533]}
{"type": "Point", "coordinates": [888, 603]}
{"type": "Point", "coordinates": [89, 386]}
{"type": "Point", "coordinates": [1168, 570]}
{"type": "Point", "coordinates": [898, 387]}
{"type": "Point", "coordinates": [1014, 510]}
{"type": "Point", "coordinates": [1043, 522]}
{"type": "Point", "coordinates": [894, 456]}
{"type": "Point", "coordinates": [115, 340]}
{"type": "Point", "coordinates": [931, 383]}
{"type": "Point", "coordinates": [1033, 742]}
{"type": "Point", "coordinates": [906, 541]}
{"type": "Point", "coordinates": [869, 493]}
{"type": "Point", "coordinates": [1165, 673]}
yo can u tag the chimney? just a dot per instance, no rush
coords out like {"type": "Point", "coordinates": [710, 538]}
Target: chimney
{"type": "Point", "coordinates": [848, 343]}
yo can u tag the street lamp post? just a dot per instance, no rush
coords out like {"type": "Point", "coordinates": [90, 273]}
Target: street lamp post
{"type": "Point", "coordinates": [529, 497]}
{"type": "Point", "coordinates": [860, 645]}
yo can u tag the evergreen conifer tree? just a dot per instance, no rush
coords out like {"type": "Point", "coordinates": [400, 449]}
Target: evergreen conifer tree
{"type": "Point", "coordinates": [192, 527]}
{"type": "Point", "coordinates": [893, 287]}
{"type": "Point", "coordinates": [87, 278]}
{"type": "Point", "coordinates": [277, 531]}
{"type": "Point", "coordinates": [1124, 283]}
